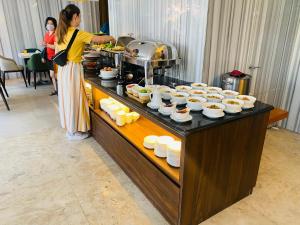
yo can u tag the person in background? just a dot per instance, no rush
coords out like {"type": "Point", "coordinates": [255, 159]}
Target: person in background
{"type": "Point", "coordinates": [49, 44]}
{"type": "Point", "coordinates": [73, 103]}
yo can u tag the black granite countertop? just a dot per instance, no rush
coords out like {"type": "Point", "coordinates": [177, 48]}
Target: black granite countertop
{"type": "Point", "coordinates": [198, 122]}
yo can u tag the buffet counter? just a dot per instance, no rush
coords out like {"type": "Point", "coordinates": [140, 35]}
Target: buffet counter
{"type": "Point", "coordinates": [219, 158]}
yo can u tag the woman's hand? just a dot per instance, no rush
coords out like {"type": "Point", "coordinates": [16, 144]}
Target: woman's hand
{"type": "Point", "coordinates": [43, 43]}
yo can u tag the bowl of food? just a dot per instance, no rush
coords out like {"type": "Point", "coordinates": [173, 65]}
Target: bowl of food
{"type": "Point", "coordinates": [183, 88]}
{"type": "Point", "coordinates": [179, 97]}
{"type": "Point", "coordinates": [229, 94]}
{"type": "Point", "coordinates": [166, 93]}
{"type": "Point", "coordinates": [129, 87]}
{"type": "Point", "coordinates": [213, 90]}
{"type": "Point", "coordinates": [144, 94]}
{"type": "Point", "coordinates": [135, 90]}
{"type": "Point", "coordinates": [213, 109]}
{"type": "Point", "coordinates": [214, 97]}
{"type": "Point", "coordinates": [198, 86]}
{"type": "Point", "coordinates": [108, 73]}
{"type": "Point", "coordinates": [167, 108]}
{"type": "Point", "coordinates": [248, 101]}
{"type": "Point", "coordinates": [195, 103]}
{"type": "Point", "coordinates": [198, 93]}
{"type": "Point", "coordinates": [233, 105]}
{"type": "Point", "coordinates": [181, 114]}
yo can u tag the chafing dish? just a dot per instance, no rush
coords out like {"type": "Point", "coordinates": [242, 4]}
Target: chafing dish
{"type": "Point", "coordinates": [151, 55]}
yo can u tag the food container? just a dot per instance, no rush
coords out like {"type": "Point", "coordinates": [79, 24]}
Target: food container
{"type": "Point", "coordinates": [239, 83]}
{"type": "Point", "coordinates": [121, 118]}
{"type": "Point", "coordinates": [166, 94]}
{"type": "Point", "coordinates": [233, 105]}
{"type": "Point", "coordinates": [198, 93]}
{"type": "Point", "coordinates": [135, 116]}
{"type": "Point", "coordinates": [129, 87]}
{"type": "Point", "coordinates": [129, 118]}
{"type": "Point", "coordinates": [113, 111]}
{"type": "Point", "coordinates": [167, 109]}
{"type": "Point", "coordinates": [161, 147]}
{"type": "Point", "coordinates": [199, 86]}
{"type": "Point", "coordinates": [248, 101]}
{"type": "Point", "coordinates": [181, 114]}
{"type": "Point", "coordinates": [135, 90]}
{"type": "Point", "coordinates": [104, 102]}
{"type": "Point", "coordinates": [173, 153]}
{"type": "Point", "coordinates": [104, 74]}
{"type": "Point", "coordinates": [179, 97]}
{"type": "Point", "coordinates": [213, 109]}
{"type": "Point", "coordinates": [229, 94]}
{"type": "Point", "coordinates": [195, 103]}
{"type": "Point", "coordinates": [144, 94]}
{"type": "Point", "coordinates": [150, 141]}
{"type": "Point", "coordinates": [213, 90]}
{"type": "Point", "coordinates": [214, 97]}
{"type": "Point", "coordinates": [183, 88]}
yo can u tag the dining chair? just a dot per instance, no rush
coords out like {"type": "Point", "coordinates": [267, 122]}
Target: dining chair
{"type": "Point", "coordinates": [10, 66]}
{"type": "Point", "coordinates": [2, 94]}
{"type": "Point", "coordinates": [36, 65]}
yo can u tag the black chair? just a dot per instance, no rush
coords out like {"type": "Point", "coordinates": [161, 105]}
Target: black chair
{"type": "Point", "coordinates": [2, 87]}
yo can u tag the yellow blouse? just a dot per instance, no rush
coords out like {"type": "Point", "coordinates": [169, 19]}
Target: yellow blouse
{"type": "Point", "coordinates": [76, 50]}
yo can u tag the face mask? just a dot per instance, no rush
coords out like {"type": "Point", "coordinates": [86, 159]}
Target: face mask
{"type": "Point", "coordinates": [50, 27]}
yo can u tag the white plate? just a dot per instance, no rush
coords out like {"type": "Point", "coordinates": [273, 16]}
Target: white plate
{"type": "Point", "coordinates": [230, 112]}
{"type": "Point", "coordinates": [182, 121]}
{"type": "Point", "coordinates": [214, 116]}
{"type": "Point", "coordinates": [247, 107]}
{"type": "Point", "coordinates": [164, 113]}
{"type": "Point", "coordinates": [152, 106]}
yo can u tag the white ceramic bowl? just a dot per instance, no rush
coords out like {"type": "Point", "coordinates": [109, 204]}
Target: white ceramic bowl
{"type": "Point", "coordinates": [198, 86]}
{"type": "Point", "coordinates": [167, 108]}
{"type": "Point", "coordinates": [173, 153]}
{"type": "Point", "coordinates": [183, 88]}
{"type": "Point", "coordinates": [129, 87]}
{"type": "Point", "coordinates": [135, 90]}
{"type": "Point", "coordinates": [181, 114]}
{"type": "Point", "coordinates": [195, 103]}
{"type": "Point", "coordinates": [144, 96]}
{"type": "Point", "coordinates": [150, 141]}
{"type": "Point", "coordinates": [166, 93]}
{"type": "Point", "coordinates": [248, 101]}
{"type": "Point", "coordinates": [198, 93]}
{"type": "Point", "coordinates": [229, 94]}
{"type": "Point", "coordinates": [208, 110]}
{"type": "Point", "coordinates": [233, 105]}
{"type": "Point", "coordinates": [108, 74]}
{"type": "Point", "coordinates": [179, 97]}
{"type": "Point", "coordinates": [214, 97]}
{"type": "Point", "coordinates": [161, 147]}
{"type": "Point", "coordinates": [214, 90]}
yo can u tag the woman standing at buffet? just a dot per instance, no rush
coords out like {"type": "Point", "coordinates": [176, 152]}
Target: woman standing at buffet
{"type": "Point", "coordinates": [49, 44]}
{"type": "Point", "coordinates": [73, 104]}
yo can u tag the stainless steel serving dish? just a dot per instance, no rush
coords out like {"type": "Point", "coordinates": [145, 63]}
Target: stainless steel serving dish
{"type": "Point", "coordinates": [151, 55]}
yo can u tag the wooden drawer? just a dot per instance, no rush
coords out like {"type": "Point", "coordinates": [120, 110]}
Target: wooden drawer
{"type": "Point", "coordinates": [158, 188]}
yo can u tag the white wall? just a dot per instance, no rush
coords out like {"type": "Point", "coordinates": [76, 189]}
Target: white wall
{"type": "Point", "coordinates": [180, 22]}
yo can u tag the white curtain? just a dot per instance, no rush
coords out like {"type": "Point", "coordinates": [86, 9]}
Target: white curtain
{"type": "Point", "coordinates": [180, 22]}
{"type": "Point", "coordinates": [243, 33]}
{"type": "Point", "coordinates": [292, 90]}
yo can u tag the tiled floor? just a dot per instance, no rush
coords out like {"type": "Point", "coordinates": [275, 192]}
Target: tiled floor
{"type": "Point", "coordinates": [45, 179]}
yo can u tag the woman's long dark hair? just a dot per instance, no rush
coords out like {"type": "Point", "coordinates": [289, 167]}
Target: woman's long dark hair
{"type": "Point", "coordinates": [65, 18]}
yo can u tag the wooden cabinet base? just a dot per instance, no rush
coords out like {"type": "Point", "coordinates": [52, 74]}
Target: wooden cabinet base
{"type": "Point", "coordinates": [159, 189]}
